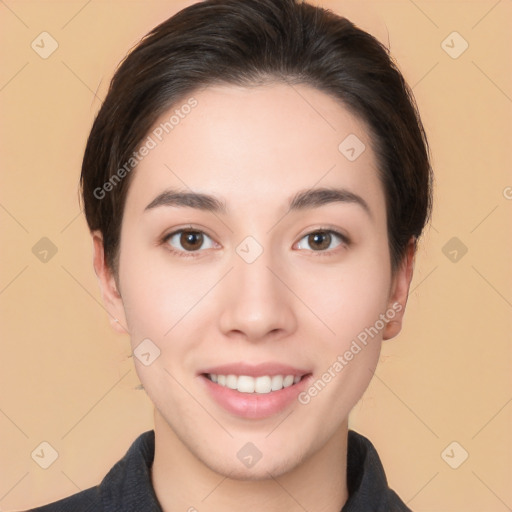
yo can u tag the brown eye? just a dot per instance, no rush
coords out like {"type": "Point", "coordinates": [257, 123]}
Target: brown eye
{"type": "Point", "coordinates": [191, 240]}
{"type": "Point", "coordinates": [188, 240]}
{"type": "Point", "coordinates": [320, 240]}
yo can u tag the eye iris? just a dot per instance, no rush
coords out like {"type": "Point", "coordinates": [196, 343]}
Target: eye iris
{"type": "Point", "coordinates": [319, 240]}
{"type": "Point", "coordinates": [191, 240]}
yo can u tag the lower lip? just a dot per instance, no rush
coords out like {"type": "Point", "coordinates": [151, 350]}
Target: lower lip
{"type": "Point", "coordinates": [254, 405]}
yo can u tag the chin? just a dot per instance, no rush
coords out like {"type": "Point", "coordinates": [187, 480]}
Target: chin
{"type": "Point", "coordinates": [262, 470]}
{"type": "Point", "coordinates": [265, 464]}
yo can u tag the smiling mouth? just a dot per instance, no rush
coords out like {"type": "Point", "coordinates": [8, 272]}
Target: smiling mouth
{"type": "Point", "coordinates": [259, 385]}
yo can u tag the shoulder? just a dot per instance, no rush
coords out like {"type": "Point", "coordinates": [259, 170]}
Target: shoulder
{"type": "Point", "coordinates": [126, 487]}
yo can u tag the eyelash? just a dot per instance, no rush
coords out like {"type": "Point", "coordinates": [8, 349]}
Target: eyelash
{"type": "Point", "coordinates": [194, 254]}
{"type": "Point", "coordinates": [344, 242]}
{"type": "Point", "coordinates": [182, 254]}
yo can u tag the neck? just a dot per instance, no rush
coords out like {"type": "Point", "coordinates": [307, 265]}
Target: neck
{"type": "Point", "coordinates": [182, 482]}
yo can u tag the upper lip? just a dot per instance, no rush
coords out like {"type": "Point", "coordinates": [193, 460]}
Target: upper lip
{"type": "Point", "coordinates": [257, 370]}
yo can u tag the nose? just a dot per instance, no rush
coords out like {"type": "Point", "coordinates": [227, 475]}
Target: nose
{"type": "Point", "coordinates": [255, 304]}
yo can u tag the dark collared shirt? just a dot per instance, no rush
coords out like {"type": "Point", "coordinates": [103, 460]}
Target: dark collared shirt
{"type": "Point", "coordinates": [127, 486]}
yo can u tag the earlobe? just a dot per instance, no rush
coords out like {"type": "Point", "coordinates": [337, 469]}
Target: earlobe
{"type": "Point", "coordinates": [400, 292]}
{"type": "Point", "coordinates": [109, 291]}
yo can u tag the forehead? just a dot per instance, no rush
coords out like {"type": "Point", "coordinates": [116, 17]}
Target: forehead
{"type": "Point", "coordinates": [258, 143]}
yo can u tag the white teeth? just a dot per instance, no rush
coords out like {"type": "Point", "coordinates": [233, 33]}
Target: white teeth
{"type": "Point", "coordinates": [262, 385]}
{"type": "Point", "coordinates": [277, 382]}
{"type": "Point", "coordinates": [288, 381]}
{"type": "Point", "coordinates": [231, 381]}
{"type": "Point", "coordinates": [245, 384]}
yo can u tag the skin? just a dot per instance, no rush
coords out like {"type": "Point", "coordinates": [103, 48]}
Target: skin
{"type": "Point", "coordinates": [254, 148]}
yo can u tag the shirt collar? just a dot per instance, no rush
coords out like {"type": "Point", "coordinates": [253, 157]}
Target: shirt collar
{"type": "Point", "coordinates": [128, 485]}
{"type": "Point", "coordinates": [366, 480]}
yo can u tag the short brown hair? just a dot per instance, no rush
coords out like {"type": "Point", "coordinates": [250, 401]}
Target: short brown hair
{"type": "Point", "coordinates": [250, 42]}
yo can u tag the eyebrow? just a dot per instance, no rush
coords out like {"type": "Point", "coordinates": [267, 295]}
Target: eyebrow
{"type": "Point", "coordinates": [311, 198]}
{"type": "Point", "coordinates": [188, 199]}
{"type": "Point", "coordinates": [314, 198]}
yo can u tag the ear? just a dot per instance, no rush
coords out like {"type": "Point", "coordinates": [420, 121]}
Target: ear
{"type": "Point", "coordinates": [400, 291]}
{"type": "Point", "coordinates": [109, 290]}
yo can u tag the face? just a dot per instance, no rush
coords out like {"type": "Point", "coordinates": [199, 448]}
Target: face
{"type": "Point", "coordinates": [254, 256]}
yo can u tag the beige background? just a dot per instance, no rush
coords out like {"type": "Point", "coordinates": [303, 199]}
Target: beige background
{"type": "Point", "coordinates": [67, 379]}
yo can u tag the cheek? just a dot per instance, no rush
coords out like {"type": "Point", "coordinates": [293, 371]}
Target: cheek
{"type": "Point", "coordinates": [160, 296]}
{"type": "Point", "coordinates": [150, 294]}
{"type": "Point", "coordinates": [350, 305]}
{"type": "Point", "coordinates": [362, 298]}
{"type": "Point", "coordinates": [346, 299]}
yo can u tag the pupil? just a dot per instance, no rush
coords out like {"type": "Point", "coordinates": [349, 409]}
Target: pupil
{"type": "Point", "coordinates": [320, 239]}
{"type": "Point", "coordinates": [191, 240]}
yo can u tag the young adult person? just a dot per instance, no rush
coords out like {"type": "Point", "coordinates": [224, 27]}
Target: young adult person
{"type": "Point", "coordinates": [255, 184]}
